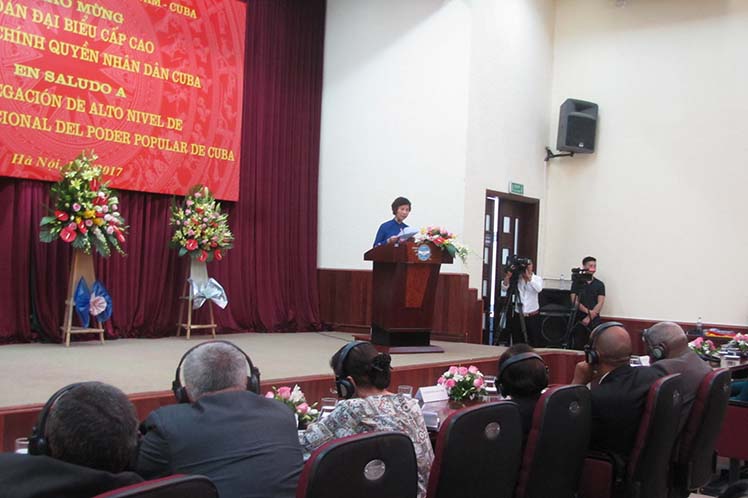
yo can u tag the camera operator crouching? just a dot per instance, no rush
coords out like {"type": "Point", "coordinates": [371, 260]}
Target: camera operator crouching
{"type": "Point", "coordinates": [588, 294]}
{"type": "Point", "coordinates": [528, 286]}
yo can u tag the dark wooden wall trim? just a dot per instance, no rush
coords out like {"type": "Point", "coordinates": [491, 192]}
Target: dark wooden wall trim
{"type": "Point", "coordinates": [635, 326]}
{"type": "Point", "coordinates": [345, 305]}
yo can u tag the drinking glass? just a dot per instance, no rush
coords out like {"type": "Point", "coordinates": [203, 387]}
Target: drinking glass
{"type": "Point", "coordinates": [22, 445]}
{"type": "Point", "coordinates": [406, 390]}
{"type": "Point", "coordinates": [489, 384]}
{"type": "Point", "coordinates": [326, 405]}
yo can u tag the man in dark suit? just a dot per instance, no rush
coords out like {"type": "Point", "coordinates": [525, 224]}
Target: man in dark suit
{"type": "Point", "coordinates": [245, 443]}
{"type": "Point", "coordinates": [667, 346]}
{"type": "Point", "coordinates": [85, 438]}
{"type": "Point", "coordinates": [618, 390]}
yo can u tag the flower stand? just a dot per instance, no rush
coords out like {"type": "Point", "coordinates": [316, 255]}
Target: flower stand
{"type": "Point", "coordinates": [81, 266]}
{"type": "Point", "coordinates": [198, 277]}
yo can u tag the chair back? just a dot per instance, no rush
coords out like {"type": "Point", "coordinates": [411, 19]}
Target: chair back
{"type": "Point", "coordinates": [733, 438]}
{"type": "Point", "coordinates": [478, 453]}
{"type": "Point", "coordinates": [371, 465]}
{"type": "Point", "coordinates": [648, 466]}
{"type": "Point", "coordinates": [176, 486]}
{"type": "Point", "coordinates": [560, 426]}
{"type": "Point", "coordinates": [694, 462]}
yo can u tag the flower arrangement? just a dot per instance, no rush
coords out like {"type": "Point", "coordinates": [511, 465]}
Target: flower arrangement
{"type": "Point", "coordinates": [702, 347]}
{"type": "Point", "coordinates": [86, 212]}
{"type": "Point", "coordinates": [296, 400]}
{"type": "Point", "coordinates": [463, 383]}
{"type": "Point", "coordinates": [740, 342]}
{"type": "Point", "coordinates": [200, 228]}
{"type": "Point", "coordinates": [443, 239]}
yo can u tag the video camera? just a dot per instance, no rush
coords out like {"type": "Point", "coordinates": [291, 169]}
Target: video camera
{"type": "Point", "coordinates": [517, 266]}
{"type": "Point", "coordinates": [580, 276]}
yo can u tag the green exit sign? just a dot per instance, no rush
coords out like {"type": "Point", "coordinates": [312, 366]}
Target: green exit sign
{"type": "Point", "coordinates": [516, 188]}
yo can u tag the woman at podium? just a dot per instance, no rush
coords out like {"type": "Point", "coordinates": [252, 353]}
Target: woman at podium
{"type": "Point", "coordinates": [389, 230]}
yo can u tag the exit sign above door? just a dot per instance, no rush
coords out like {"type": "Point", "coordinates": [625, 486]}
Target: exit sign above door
{"type": "Point", "coordinates": [516, 188]}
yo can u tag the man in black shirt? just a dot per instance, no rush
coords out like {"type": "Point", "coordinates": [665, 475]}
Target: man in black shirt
{"type": "Point", "coordinates": [591, 297]}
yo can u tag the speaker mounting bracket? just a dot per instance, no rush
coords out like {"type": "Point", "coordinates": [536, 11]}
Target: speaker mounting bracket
{"type": "Point", "coordinates": [549, 154]}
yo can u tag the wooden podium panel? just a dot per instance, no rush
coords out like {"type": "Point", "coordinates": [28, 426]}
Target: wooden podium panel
{"type": "Point", "coordinates": [403, 293]}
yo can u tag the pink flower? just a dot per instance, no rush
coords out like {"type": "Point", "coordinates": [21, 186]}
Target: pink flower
{"type": "Point", "coordinates": [450, 383]}
{"type": "Point", "coordinates": [453, 370]}
{"type": "Point", "coordinates": [478, 382]}
{"type": "Point", "coordinates": [441, 380]}
{"type": "Point", "coordinates": [473, 369]}
{"type": "Point", "coordinates": [698, 342]}
{"type": "Point", "coordinates": [110, 229]}
{"type": "Point", "coordinates": [88, 223]}
{"type": "Point", "coordinates": [76, 207]}
{"type": "Point", "coordinates": [188, 212]}
{"type": "Point", "coordinates": [270, 395]}
{"type": "Point", "coordinates": [189, 202]}
{"type": "Point", "coordinates": [462, 371]}
{"type": "Point", "coordinates": [284, 392]}
{"type": "Point", "coordinates": [710, 344]}
{"type": "Point", "coordinates": [302, 408]}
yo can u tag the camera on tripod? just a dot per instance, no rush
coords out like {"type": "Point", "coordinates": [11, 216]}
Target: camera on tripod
{"type": "Point", "coordinates": [517, 265]}
{"type": "Point", "coordinates": [580, 276]}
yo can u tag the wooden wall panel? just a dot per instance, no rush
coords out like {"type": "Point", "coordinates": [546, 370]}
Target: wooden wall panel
{"type": "Point", "coordinates": [345, 305]}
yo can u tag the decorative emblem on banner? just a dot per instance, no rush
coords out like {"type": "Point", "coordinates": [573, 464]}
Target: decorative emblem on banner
{"type": "Point", "coordinates": [205, 290]}
{"type": "Point", "coordinates": [95, 302]}
{"type": "Point", "coordinates": [424, 252]}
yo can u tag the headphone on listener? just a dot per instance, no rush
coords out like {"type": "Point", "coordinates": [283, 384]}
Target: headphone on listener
{"type": "Point", "coordinates": [513, 360]}
{"type": "Point", "coordinates": [657, 351]}
{"type": "Point", "coordinates": [591, 355]}
{"type": "Point", "coordinates": [345, 387]}
{"type": "Point", "coordinates": [38, 444]}
{"type": "Point", "coordinates": [180, 392]}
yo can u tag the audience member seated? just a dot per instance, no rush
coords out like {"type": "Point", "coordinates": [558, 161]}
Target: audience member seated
{"type": "Point", "coordinates": [362, 377]}
{"type": "Point", "coordinates": [737, 490]}
{"type": "Point", "coordinates": [667, 346]}
{"type": "Point", "coordinates": [246, 444]}
{"type": "Point", "coordinates": [618, 390]}
{"type": "Point", "coordinates": [739, 390]}
{"type": "Point", "coordinates": [85, 437]}
{"type": "Point", "coordinates": [523, 376]}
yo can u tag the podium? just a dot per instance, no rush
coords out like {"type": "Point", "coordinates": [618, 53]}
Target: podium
{"type": "Point", "coordinates": [404, 289]}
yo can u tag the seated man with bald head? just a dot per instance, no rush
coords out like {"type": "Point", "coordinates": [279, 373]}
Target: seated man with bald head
{"type": "Point", "coordinates": [667, 346]}
{"type": "Point", "coordinates": [618, 390]}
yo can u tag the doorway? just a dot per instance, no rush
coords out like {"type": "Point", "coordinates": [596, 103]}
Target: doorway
{"type": "Point", "coordinates": [510, 227]}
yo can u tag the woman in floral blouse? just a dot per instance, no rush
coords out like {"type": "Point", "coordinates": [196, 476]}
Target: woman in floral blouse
{"type": "Point", "coordinates": [369, 407]}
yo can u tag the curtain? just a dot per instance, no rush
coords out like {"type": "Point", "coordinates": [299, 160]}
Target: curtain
{"type": "Point", "coordinates": [270, 275]}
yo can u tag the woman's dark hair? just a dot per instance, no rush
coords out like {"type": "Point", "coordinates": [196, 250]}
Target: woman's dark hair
{"type": "Point", "coordinates": [737, 490]}
{"type": "Point", "coordinates": [524, 379]}
{"type": "Point", "coordinates": [400, 201]}
{"type": "Point", "coordinates": [367, 366]}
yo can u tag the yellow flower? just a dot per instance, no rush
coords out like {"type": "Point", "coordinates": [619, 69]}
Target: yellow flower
{"type": "Point", "coordinates": [98, 221]}
{"type": "Point", "coordinates": [78, 220]}
{"type": "Point", "coordinates": [89, 213]}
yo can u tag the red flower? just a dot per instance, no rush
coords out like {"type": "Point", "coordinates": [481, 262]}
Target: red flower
{"type": "Point", "coordinates": [61, 216]}
{"type": "Point", "coordinates": [191, 245]}
{"type": "Point", "coordinates": [119, 235]}
{"type": "Point", "coordinates": [213, 244]}
{"type": "Point", "coordinates": [203, 256]}
{"type": "Point", "coordinates": [218, 255]}
{"type": "Point", "coordinates": [82, 228]}
{"type": "Point", "coordinates": [94, 185]}
{"type": "Point", "coordinates": [99, 201]}
{"type": "Point", "coordinates": [68, 235]}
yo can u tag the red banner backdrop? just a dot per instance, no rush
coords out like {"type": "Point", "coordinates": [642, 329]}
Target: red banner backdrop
{"type": "Point", "coordinates": [153, 87]}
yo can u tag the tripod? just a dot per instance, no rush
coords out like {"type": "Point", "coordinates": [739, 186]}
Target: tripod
{"type": "Point", "coordinates": [512, 305]}
{"type": "Point", "coordinates": [577, 288]}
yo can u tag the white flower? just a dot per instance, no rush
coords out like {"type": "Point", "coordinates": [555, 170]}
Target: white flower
{"type": "Point", "coordinates": [297, 396]}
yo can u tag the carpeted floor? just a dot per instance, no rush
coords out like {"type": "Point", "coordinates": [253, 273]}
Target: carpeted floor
{"type": "Point", "coordinates": [29, 373]}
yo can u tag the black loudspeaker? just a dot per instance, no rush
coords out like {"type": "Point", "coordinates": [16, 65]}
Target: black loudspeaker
{"type": "Point", "coordinates": [577, 124]}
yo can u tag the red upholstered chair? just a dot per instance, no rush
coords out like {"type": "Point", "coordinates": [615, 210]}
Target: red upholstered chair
{"type": "Point", "coordinates": [694, 462]}
{"type": "Point", "coordinates": [557, 444]}
{"type": "Point", "coordinates": [371, 465]}
{"type": "Point", "coordinates": [733, 438]}
{"type": "Point", "coordinates": [478, 453]}
{"type": "Point", "coordinates": [647, 472]}
{"type": "Point", "coordinates": [176, 486]}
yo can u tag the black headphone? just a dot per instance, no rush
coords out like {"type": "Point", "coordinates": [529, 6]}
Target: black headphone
{"type": "Point", "coordinates": [658, 351]}
{"type": "Point", "coordinates": [38, 444]}
{"type": "Point", "coordinates": [253, 379]}
{"type": "Point", "coordinates": [345, 387]}
{"type": "Point", "coordinates": [591, 355]}
{"type": "Point", "coordinates": [513, 361]}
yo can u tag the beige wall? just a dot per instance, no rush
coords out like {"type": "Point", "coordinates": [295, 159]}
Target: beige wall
{"type": "Point", "coordinates": [662, 202]}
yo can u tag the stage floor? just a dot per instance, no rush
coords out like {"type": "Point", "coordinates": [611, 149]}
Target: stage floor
{"type": "Point", "coordinates": [30, 373]}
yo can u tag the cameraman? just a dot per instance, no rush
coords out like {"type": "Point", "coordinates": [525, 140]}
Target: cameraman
{"type": "Point", "coordinates": [591, 297]}
{"type": "Point", "coordinates": [529, 286]}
